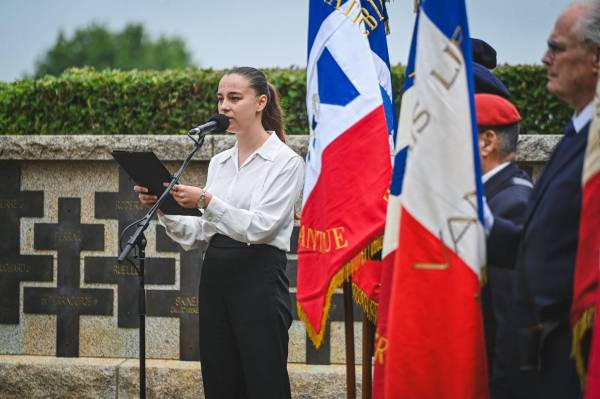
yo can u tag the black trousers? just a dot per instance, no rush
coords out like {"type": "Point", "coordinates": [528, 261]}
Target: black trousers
{"type": "Point", "coordinates": [557, 378]}
{"type": "Point", "coordinates": [244, 310]}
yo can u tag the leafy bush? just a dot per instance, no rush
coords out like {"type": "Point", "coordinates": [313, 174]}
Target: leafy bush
{"type": "Point", "coordinates": [86, 101]}
{"type": "Point", "coordinates": [541, 111]}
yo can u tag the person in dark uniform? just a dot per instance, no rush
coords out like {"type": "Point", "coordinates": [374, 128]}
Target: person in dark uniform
{"type": "Point", "coordinates": [248, 203]}
{"type": "Point", "coordinates": [507, 198]}
{"type": "Point", "coordinates": [484, 59]}
{"type": "Point", "coordinates": [507, 189]}
{"type": "Point", "coordinates": [541, 365]}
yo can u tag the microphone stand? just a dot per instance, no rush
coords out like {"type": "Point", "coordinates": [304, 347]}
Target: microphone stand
{"type": "Point", "coordinates": [138, 241]}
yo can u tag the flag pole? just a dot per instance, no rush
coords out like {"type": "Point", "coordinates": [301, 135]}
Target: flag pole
{"type": "Point", "coordinates": [368, 330]}
{"type": "Point", "coordinates": [349, 330]}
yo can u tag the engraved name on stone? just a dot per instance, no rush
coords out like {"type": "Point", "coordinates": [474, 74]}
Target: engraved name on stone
{"type": "Point", "coordinates": [67, 236]}
{"type": "Point", "coordinates": [78, 301]}
{"type": "Point", "coordinates": [185, 304]}
{"type": "Point", "coordinates": [124, 270]}
{"type": "Point", "coordinates": [10, 203]}
{"type": "Point", "coordinates": [124, 205]}
{"type": "Point", "coordinates": [14, 268]}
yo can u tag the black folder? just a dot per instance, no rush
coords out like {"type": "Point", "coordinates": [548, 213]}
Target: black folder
{"type": "Point", "coordinates": [146, 170]}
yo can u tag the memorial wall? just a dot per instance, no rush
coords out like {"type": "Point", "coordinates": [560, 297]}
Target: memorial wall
{"type": "Point", "coordinates": [63, 205]}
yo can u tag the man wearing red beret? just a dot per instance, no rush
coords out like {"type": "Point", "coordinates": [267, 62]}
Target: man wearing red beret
{"type": "Point", "coordinates": [507, 189]}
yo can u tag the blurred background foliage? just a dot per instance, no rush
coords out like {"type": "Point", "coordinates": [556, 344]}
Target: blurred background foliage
{"type": "Point", "coordinates": [96, 46]}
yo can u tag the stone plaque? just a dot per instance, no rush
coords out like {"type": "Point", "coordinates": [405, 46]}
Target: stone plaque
{"type": "Point", "coordinates": [183, 303]}
{"type": "Point", "coordinates": [126, 208]}
{"type": "Point", "coordinates": [15, 268]}
{"type": "Point", "coordinates": [68, 301]}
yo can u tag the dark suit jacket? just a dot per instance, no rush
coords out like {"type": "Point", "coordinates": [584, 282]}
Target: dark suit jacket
{"type": "Point", "coordinates": [546, 247]}
{"type": "Point", "coordinates": [507, 194]}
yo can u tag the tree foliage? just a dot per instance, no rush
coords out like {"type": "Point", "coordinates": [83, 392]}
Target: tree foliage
{"type": "Point", "coordinates": [97, 47]}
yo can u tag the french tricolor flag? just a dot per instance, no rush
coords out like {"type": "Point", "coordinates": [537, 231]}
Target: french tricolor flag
{"type": "Point", "coordinates": [366, 282]}
{"type": "Point", "coordinates": [392, 223]}
{"type": "Point", "coordinates": [348, 163]}
{"type": "Point", "coordinates": [435, 342]}
{"type": "Point", "coordinates": [585, 309]}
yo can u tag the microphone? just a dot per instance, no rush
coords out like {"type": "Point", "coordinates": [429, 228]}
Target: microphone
{"type": "Point", "coordinates": [218, 122]}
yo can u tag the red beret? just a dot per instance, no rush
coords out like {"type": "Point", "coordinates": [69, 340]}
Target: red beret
{"type": "Point", "coordinates": [493, 110]}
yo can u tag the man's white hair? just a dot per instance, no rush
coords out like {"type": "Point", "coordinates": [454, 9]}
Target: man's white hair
{"type": "Point", "coordinates": [588, 27]}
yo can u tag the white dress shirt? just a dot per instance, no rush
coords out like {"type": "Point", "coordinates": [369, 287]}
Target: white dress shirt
{"type": "Point", "coordinates": [581, 119]}
{"type": "Point", "coordinates": [253, 203]}
{"type": "Point", "coordinates": [491, 173]}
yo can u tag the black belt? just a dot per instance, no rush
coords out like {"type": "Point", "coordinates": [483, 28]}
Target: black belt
{"type": "Point", "coordinates": [222, 241]}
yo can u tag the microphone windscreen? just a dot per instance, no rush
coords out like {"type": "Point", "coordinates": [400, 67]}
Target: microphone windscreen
{"type": "Point", "coordinates": [222, 122]}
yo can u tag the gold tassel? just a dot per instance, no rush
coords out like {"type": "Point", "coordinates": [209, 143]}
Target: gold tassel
{"type": "Point", "coordinates": [342, 275]}
{"type": "Point", "coordinates": [368, 306]}
{"type": "Point", "coordinates": [484, 276]}
{"type": "Point", "coordinates": [580, 329]}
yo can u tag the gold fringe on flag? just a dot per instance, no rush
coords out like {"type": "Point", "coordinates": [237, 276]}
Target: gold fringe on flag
{"type": "Point", "coordinates": [484, 276]}
{"type": "Point", "coordinates": [338, 279]}
{"type": "Point", "coordinates": [368, 305]}
{"type": "Point", "coordinates": [580, 329]}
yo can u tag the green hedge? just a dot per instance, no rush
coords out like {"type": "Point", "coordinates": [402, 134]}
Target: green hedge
{"type": "Point", "coordinates": [541, 111]}
{"type": "Point", "coordinates": [85, 101]}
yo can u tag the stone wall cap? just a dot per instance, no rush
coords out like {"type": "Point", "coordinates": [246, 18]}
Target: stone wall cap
{"type": "Point", "coordinates": [162, 364]}
{"type": "Point", "coordinates": [52, 361]}
{"type": "Point", "coordinates": [531, 148]}
{"type": "Point", "coordinates": [129, 363]}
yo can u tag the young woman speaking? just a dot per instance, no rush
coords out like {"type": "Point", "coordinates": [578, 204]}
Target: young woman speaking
{"type": "Point", "coordinates": [248, 203]}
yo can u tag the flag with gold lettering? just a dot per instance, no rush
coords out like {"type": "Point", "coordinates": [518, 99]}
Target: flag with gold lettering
{"type": "Point", "coordinates": [366, 281]}
{"type": "Point", "coordinates": [348, 163]}
{"type": "Point", "coordinates": [435, 341]}
{"type": "Point", "coordinates": [392, 223]}
{"type": "Point", "coordinates": [587, 267]}
{"type": "Point", "coordinates": [592, 381]}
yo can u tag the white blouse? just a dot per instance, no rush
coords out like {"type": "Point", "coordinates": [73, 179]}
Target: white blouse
{"type": "Point", "coordinates": [253, 203]}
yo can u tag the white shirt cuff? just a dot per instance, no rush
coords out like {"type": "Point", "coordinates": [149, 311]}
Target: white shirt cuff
{"type": "Point", "coordinates": [172, 224]}
{"type": "Point", "coordinates": [488, 218]}
{"type": "Point", "coordinates": [215, 210]}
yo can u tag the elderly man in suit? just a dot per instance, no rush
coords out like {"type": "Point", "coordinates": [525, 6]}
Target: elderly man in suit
{"type": "Point", "coordinates": [546, 244]}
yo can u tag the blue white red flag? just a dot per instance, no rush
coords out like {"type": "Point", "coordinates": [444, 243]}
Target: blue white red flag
{"type": "Point", "coordinates": [366, 282]}
{"type": "Point", "coordinates": [392, 222]}
{"type": "Point", "coordinates": [435, 342]}
{"type": "Point", "coordinates": [379, 49]}
{"type": "Point", "coordinates": [348, 164]}
{"type": "Point", "coordinates": [585, 309]}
